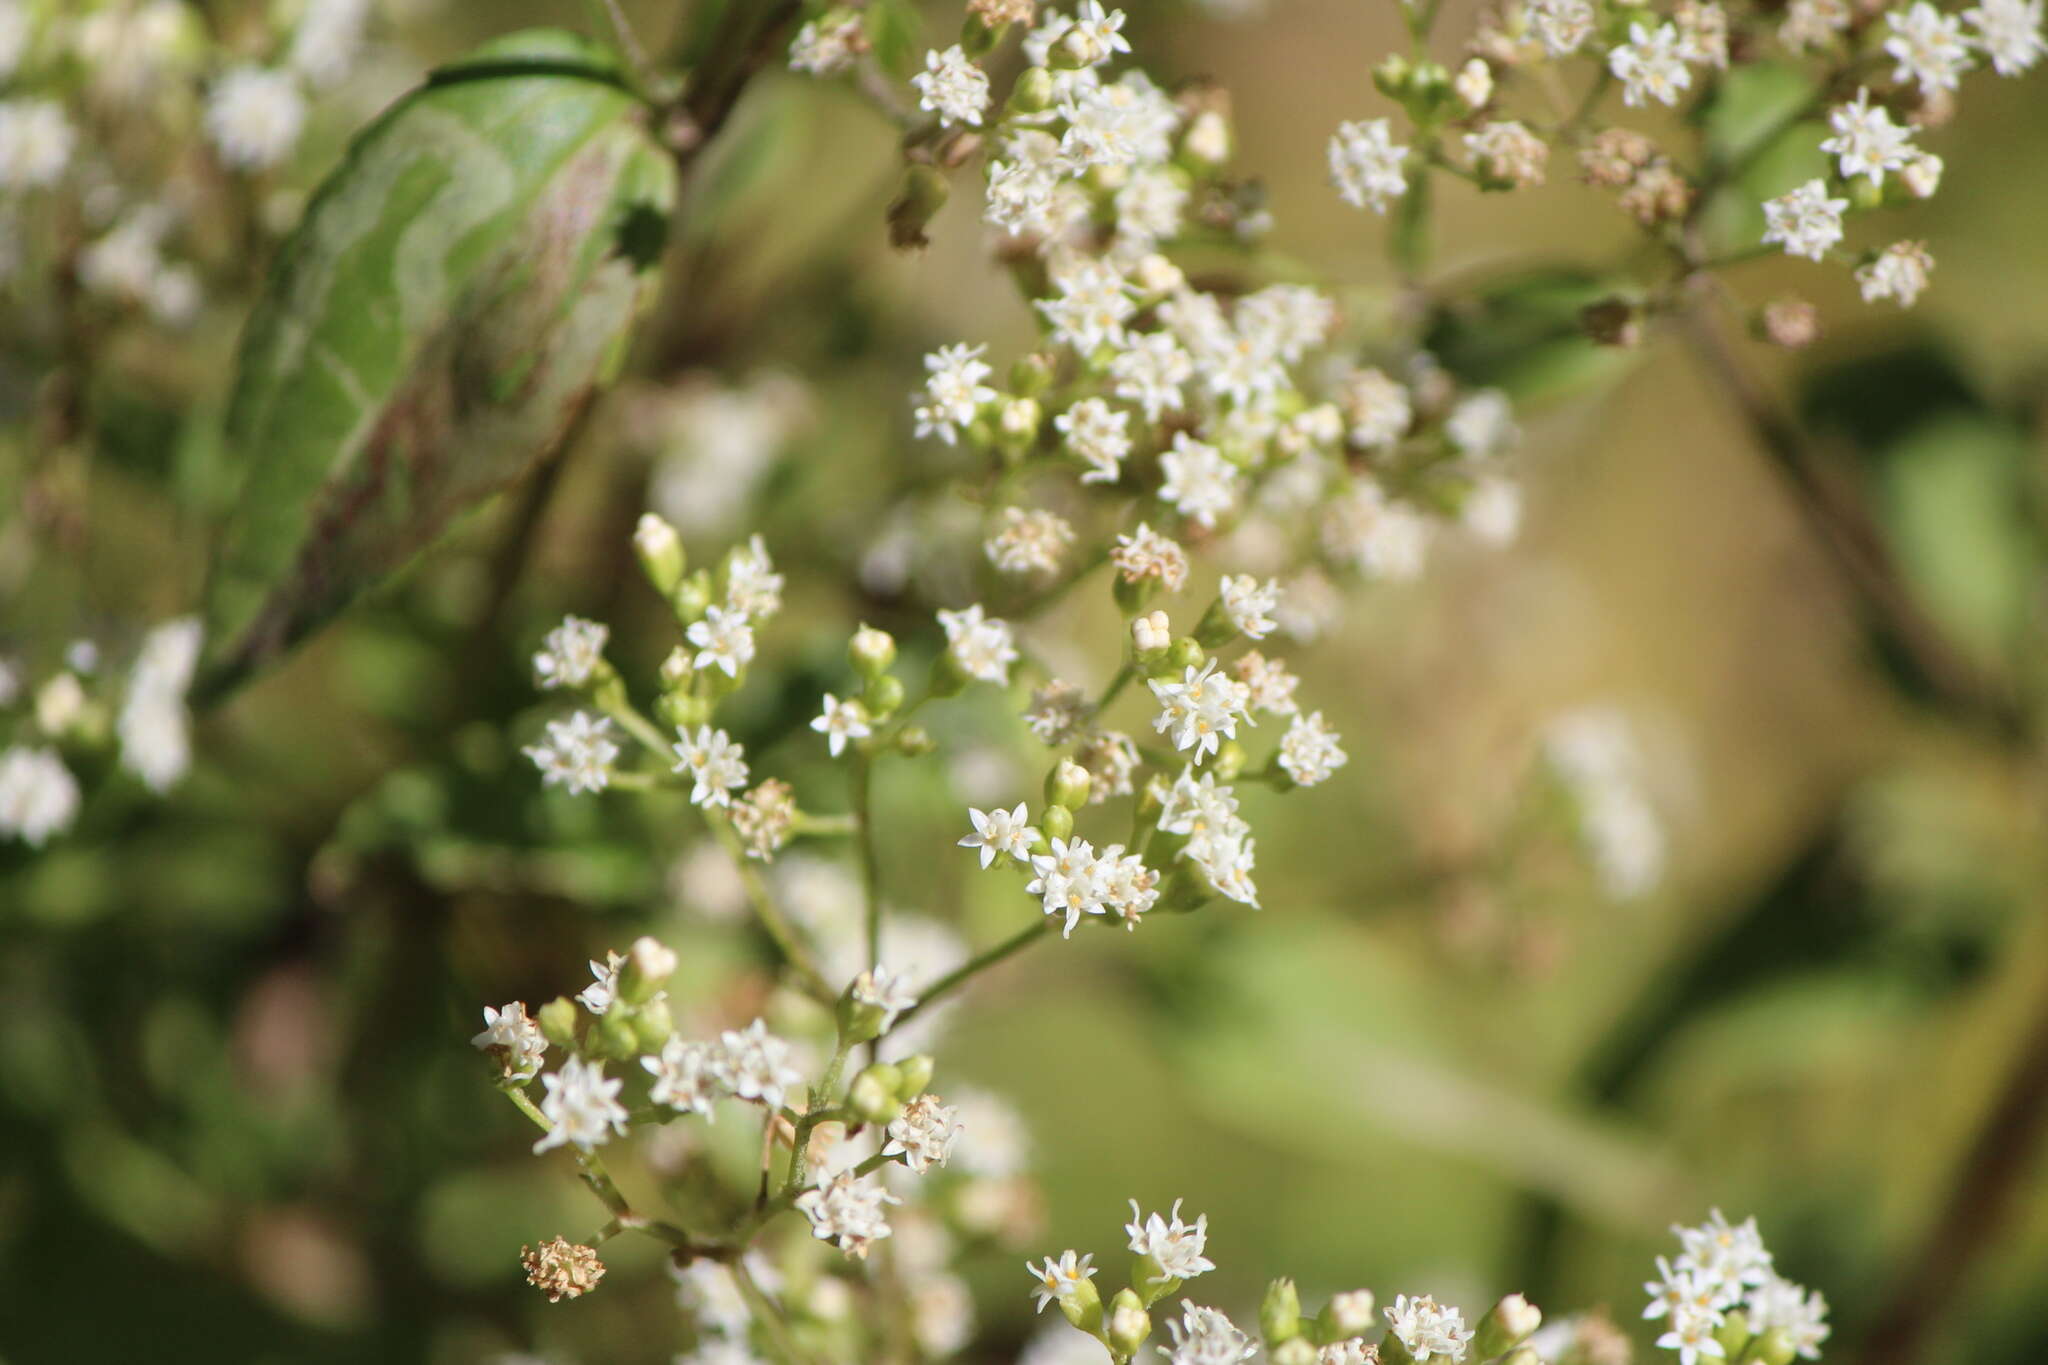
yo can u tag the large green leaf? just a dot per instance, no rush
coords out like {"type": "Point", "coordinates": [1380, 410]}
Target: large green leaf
{"type": "Point", "coordinates": [459, 290]}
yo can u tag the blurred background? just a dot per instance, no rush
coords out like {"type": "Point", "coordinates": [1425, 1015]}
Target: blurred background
{"type": "Point", "coordinates": [242, 1120]}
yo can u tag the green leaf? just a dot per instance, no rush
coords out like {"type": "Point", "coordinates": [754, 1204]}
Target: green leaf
{"type": "Point", "coordinates": [458, 291]}
{"type": "Point", "coordinates": [1523, 333]}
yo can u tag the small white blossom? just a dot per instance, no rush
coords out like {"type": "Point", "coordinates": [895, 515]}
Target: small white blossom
{"type": "Point", "coordinates": [254, 116]}
{"type": "Point", "coordinates": [1268, 685]}
{"type": "Point", "coordinates": [1379, 537]}
{"type": "Point", "coordinates": [724, 638]}
{"type": "Point", "coordinates": [841, 722]}
{"type": "Point", "coordinates": [923, 1134]}
{"type": "Point", "coordinates": [848, 1210]}
{"type": "Point", "coordinates": [1507, 151]}
{"type": "Point", "coordinates": [1145, 554]}
{"type": "Point", "coordinates": [1651, 65]}
{"type": "Point", "coordinates": [571, 652]}
{"type": "Point", "coordinates": [754, 1065]}
{"type": "Point", "coordinates": [1474, 84]}
{"type": "Point", "coordinates": [685, 1077]}
{"type": "Point", "coordinates": [1309, 750]}
{"type": "Point", "coordinates": [1091, 304]}
{"type": "Point", "coordinates": [954, 391]}
{"type": "Point", "coordinates": [1813, 23]}
{"type": "Point", "coordinates": [1094, 36]}
{"type": "Point", "coordinates": [952, 87]}
{"type": "Point", "coordinates": [1365, 164]}
{"type": "Point", "coordinates": [1151, 632]}
{"type": "Point", "coordinates": [1482, 424]}
{"type": "Point", "coordinates": [1899, 273]}
{"type": "Point", "coordinates": [1149, 370]}
{"type": "Point", "coordinates": [577, 753]}
{"type": "Point", "coordinates": [751, 584]}
{"type": "Point", "coordinates": [884, 990]}
{"type": "Point", "coordinates": [1376, 407]}
{"type": "Point", "coordinates": [581, 1105]}
{"type": "Point", "coordinates": [1928, 46]}
{"type": "Point", "coordinates": [1031, 541]}
{"type": "Point", "coordinates": [1691, 1334]}
{"type": "Point", "coordinates": [2009, 33]}
{"type": "Point", "coordinates": [715, 760]}
{"type": "Point", "coordinates": [1247, 603]}
{"type": "Point", "coordinates": [1922, 175]}
{"type": "Point", "coordinates": [1560, 25]}
{"type": "Point", "coordinates": [1068, 883]}
{"type": "Point", "coordinates": [982, 647]}
{"type": "Point", "coordinates": [598, 996]}
{"type": "Point", "coordinates": [1200, 483]}
{"type": "Point", "coordinates": [514, 1038]}
{"type": "Point", "coordinates": [999, 832]}
{"type": "Point", "coordinates": [1203, 1336]}
{"type": "Point", "coordinates": [827, 49]}
{"type": "Point", "coordinates": [1175, 1247]}
{"type": "Point", "coordinates": [1428, 1329]}
{"type": "Point", "coordinates": [1058, 1278]}
{"type": "Point", "coordinates": [1201, 710]}
{"type": "Point", "coordinates": [1779, 1303]}
{"type": "Point", "coordinates": [154, 727]}
{"type": "Point", "coordinates": [1866, 141]}
{"type": "Point", "coordinates": [1096, 434]}
{"type": "Point", "coordinates": [1806, 220]}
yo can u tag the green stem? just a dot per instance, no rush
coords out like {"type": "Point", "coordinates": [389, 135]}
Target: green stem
{"type": "Point", "coordinates": [822, 1095]}
{"type": "Point", "coordinates": [973, 967]}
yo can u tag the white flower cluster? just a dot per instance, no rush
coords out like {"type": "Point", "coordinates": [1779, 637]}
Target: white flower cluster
{"type": "Point", "coordinates": [1720, 1268]}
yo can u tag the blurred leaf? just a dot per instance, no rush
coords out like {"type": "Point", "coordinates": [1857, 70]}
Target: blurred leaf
{"type": "Point", "coordinates": [1750, 102]}
{"type": "Point", "coordinates": [893, 28]}
{"type": "Point", "coordinates": [456, 293]}
{"type": "Point", "coordinates": [1522, 333]}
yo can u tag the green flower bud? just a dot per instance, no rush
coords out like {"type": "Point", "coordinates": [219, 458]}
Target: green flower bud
{"type": "Point", "coordinates": [1067, 785]}
{"type": "Point", "coordinates": [692, 596]}
{"type": "Point", "coordinates": [557, 1021]}
{"type": "Point", "coordinates": [660, 551]}
{"type": "Point", "coordinates": [1129, 1323]}
{"type": "Point", "coordinates": [1185, 654]}
{"type": "Point", "coordinates": [677, 670]}
{"type": "Point", "coordinates": [871, 651]}
{"type": "Point", "coordinates": [1057, 823]}
{"type": "Point", "coordinates": [1774, 1347]}
{"type": "Point", "coordinates": [1393, 1352]}
{"type": "Point", "coordinates": [1391, 76]}
{"type": "Point", "coordinates": [872, 1096]}
{"type": "Point", "coordinates": [1032, 374]}
{"type": "Point", "coordinates": [614, 1035]}
{"type": "Point", "coordinates": [682, 710]}
{"type": "Point", "coordinates": [914, 741]}
{"type": "Point", "coordinates": [1215, 629]}
{"type": "Point", "coordinates": [859, 1022]}
{"type": "Point", "coordinates": [1229, 761]}
{"type": "Point", "coordinates": [1280, 1314]}
{"type": "Point", "coordinates": [917, 1076]}
{"type": "Point", "coordinates": [1865, 193]}
{"type": "Point", "coordinates": [1734, 1334]}
{"type": "Point", "coordinates": [1512, 1320]}
{"type": "Point", "coordinates": [648, 966]}
{"type": "Point", "coordinates": [884, 693]}
{"type": "Point", "coordinates": [652, 1025]}
{"type": "Point", "coordinates": [1032, 93]}
{"type": "Point", "coordinates": [918, 201]}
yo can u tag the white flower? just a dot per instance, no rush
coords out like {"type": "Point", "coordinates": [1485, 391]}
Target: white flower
{"type": "Point", "coordinates": [1094, 36]}
{"type": "Point", "coordinates": [952, 87]}
{"type": "Point", "coordinates": [1031, 541]}
{"type": "Point", "coordinates": [754, 1065]}
{"type": "Point", "coordinates": [1675, 1288]}
{"type": "Point", "coordinates": [514, 1038]}
{"type": "Point", "coordinates": [1246, 602]}
{"type": "Point", "coordinates": [1651, 65]}
{"type": "Point", "coordinates": [1428, 1329]}
{"type": "Point", "coordinates": [577, 753]}
{"type": "Point", "coordinates": [1805, 220]}
{"type": "Point", "coordinates": [1149, 370]}
{"type": "Point", "coordinates": [1129, 888]}
{"type": "Point", "coordinates": [1492, 510]}
{"type": "Point", "coordinates": [954, 391]}
{"type": "Point", "coordinates": [1175, 1247]}
{"type": "Point", "coordinates": [884, 990]}
{"type": "Point", "coordinates": [1692, 1334]}
{"type": "Point", "coordinates": [715, 760]}
{"type": "Point", "coordinates": [1899, 273]}
{"type": "Point", "coordinates": [1779, 1303]}
{"type": "Point", "coordinates": [1056, 1279]}
{"type": "Point", "coordinates": [1268, 685]}
{"type": "Point", "coordinates": [751, 584]}
{"type": "Point", "coordinates": [1474, 84]}
{"type": "Point", "coordinates": [1929, 47]}
{"type": "Point", "coordinates": [36, 142]}
{"type": "Point", "coordinates": [1093, 301]}
{"type": "Point", "coordinates": [1145, 554]}
{"type": "Point", "coordinates": [825, 50]}
{"type": "Point", "coordinates": [581, 1105]}
{"type": "Point", "coordinates": [848, 1210]}
{"type": "Point", "coordinates": [1505, 150]}
{"type": "Point", "coordinates": [1149, 206]}
{"type": "Point", "coordinates": [1000, 832]}
{"type": "Point", "coordinates": [1813, 23]}
{"type": "Point", "coordinates": [982, 647]}
{"type": "Point", "coordinates": [685, 1077]}
{"type": "Point", "coordinates": [1376, 407]}
{"type": "Point", "coordinates": [254, 116]}
{"type": "Point", "coordinates": [1379, 537]}
{"type": "Point", "coordinates": [1482, 424]}
{"type": "Point", "coordinates": [1365, 164]}
{"type": "Point", "coordinates": [1095, 433]}
{"type": "Point", "coordinates": [1201, 710]}
{"type": "Point", "coordinates": [841, 722]}
{"type": "Point", "coordinates": [154, 728]}
{"type": "Point", "coordinates": [1731, 1255]}
{"type": "Point", "coordinates": [1309, 750]}
{"type": "Point", "coordinates": [1203, 1336]}
{"type": "Point", "coordinates": [1866, 141]}
{"type": "Point", "coordinates": [923, 1133]}
{"type": "Point", "coordinates": [1922, 175]}
{"type": "Point", "coordinates": [571, 652]}
{"type": "Point", "coordinates": [2009, 33]}
{"type": "Point", "coordinates": [597, 997]}
{"type": "Point", "coordinates": [1560, 25]}
{"type": "Point", "coordinates": [724, 638]}
{"type": "Point", "coordinates": [1024, 184]}
{"type": "Point", "coordinates": [1068, 882]}
{"type": "Point", "coordinates": [1200, 484]}
{"type": "Point", "coordinates": [1057, 712]}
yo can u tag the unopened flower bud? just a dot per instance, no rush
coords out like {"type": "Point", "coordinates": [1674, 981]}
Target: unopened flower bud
{"type": "Point", "coordinates": [692, 596]}
{"type": "Point", "coordinates": [914, 741]}
{"type": "Point", "coordinates": [1391, 77]}
{"type": "Point", "coordinates": [918, 201]}
{"type": "Point", "coordinates": [652, 1025]}
{"type": "Point", "coordinates": [60, 704]}
{"type": "Point", "coordinates": [1057, 823]}
{"type": "Point", "coordinates": [676, 670]}
{"type": "Point", "coordinates": [648, 966]}
{"type": "Point", "coordinates": [557, 1021]}
{"type": "Point", "coordinates": [916, 1075]}
{"type": "Point", "coordinates": [1734, 1333]}
{"type": "Point", "coordinates": [1922, 175]}
{"type": "Point", "coordinates": [1032, 374]}
{"type": "Point", "coordinates": [1280, 1313]}
{"type": "Point", "coordinates": [613, 1035]}
{"type": "Point", "coordinates": [1208, 138]}
{"type": "Point", "coordinates": [1185, 653]}
{"type": "Point", "coordinates": [881, 697]}
{"type": "Point", "coordinates": [681, 710]}
{"type": "Point", "coordinates": [1349, 1314]}
{"type": "Point", "coordinates": [1157, 277]}
{"type": "Point", "coordinates": [1151, 633]}
{"type": "Point", "coordinates": [1129, 1323]}
{"type": "Point", "coordinates": [1229, 761]}
{"type": "Point", "coordinates": [1512, 1319]}
{"type": "Point", "coordinates": [1032, 94]}
{"type": "Point", "coordinates": [1474, 85]}
{"type": "Point", "coordinates": [1067, 785]}
{"type": "Point", "coordinates": [1017, 419]}
{"type": "Point", "coordinates": [871, 651]}
{"type": "Point", "coordinates": [1775, 1347]}
{"type": "Point", "coordinates": [872, 1096]}
{"type": "Point", "coordinates": [660, 551]}
{"type": "Point", "coordinates": [1790, 323]}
